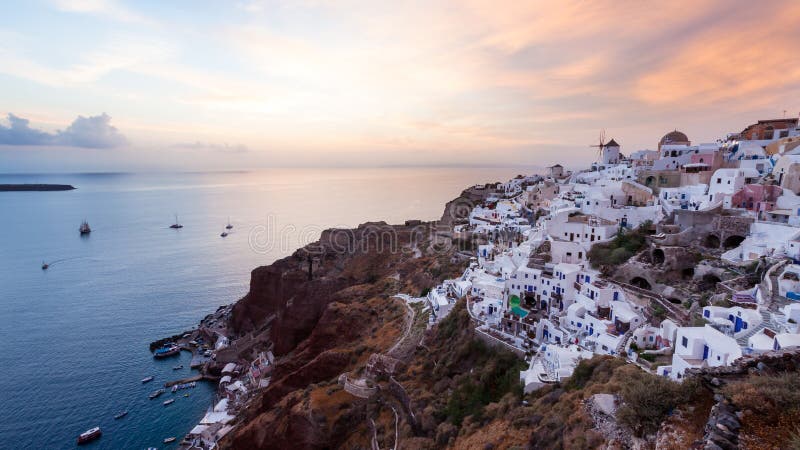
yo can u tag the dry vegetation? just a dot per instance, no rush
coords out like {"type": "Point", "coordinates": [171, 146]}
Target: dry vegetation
{"type": "Point", "coordinates": [771, 406]}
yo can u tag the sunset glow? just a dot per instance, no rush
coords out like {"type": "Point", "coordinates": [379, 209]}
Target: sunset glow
{"type": "Point", "coordinates": [209, 85]}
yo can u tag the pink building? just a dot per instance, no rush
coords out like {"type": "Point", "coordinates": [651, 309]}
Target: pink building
{"type": "Point", "coordinates": [757, 197]}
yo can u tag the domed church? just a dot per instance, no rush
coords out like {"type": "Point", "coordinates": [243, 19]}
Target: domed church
{"type": "Point", "coordinates": [674, 138]}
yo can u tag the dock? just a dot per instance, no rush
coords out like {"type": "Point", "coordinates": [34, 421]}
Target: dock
{"type": "Point", "coordinates": [197, 377]}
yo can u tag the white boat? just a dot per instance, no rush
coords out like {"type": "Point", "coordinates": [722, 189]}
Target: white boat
{"type": "Point", "coordinates": [89, 435]}
{"type": "Point", "coordinates": [169, 402]}
{"type": "Point", "coordinates": [169, 439]}
{"type": "Point", "coordinates": [147, 379]}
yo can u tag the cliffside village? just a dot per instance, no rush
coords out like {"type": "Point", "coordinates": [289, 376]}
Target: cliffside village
{"type": "Point", "coordinates": [716, 275]}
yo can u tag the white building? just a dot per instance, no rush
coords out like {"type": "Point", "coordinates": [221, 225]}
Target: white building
{"type": "Point", "coordinates": [697, 347]}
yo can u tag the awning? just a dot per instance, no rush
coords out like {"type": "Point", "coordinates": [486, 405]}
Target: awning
{"type": "Point", "coordinates": [229, 368]}
{"type": "Point", "coordinates": [199, 429]}
{"type": "Point", "coordinates": [225, 379]}
{"type": "Point", "coordinates": [221, 406]}
{"type": "Point", "coordinates": [216, 417]}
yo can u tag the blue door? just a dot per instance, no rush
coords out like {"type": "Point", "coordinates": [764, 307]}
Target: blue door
{"type": "Point", "coordinates": [737, 325]}
{"type": "Point", "coordinates": [705, 352]}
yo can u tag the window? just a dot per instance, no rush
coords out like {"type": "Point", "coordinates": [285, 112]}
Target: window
{"type": "Point", "coordinates": [719, 180]}
{"type": "Point", "coordinates": [685, 342]}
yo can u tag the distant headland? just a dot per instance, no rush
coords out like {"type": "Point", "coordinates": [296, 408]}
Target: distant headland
{"type": "Point", "coordinates": [35, 187]}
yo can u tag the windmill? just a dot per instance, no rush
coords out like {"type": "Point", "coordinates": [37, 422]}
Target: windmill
{"type": "Point", "coordinates": [601, 144]}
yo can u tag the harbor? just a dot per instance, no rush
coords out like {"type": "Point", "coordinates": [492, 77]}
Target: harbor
{"type": "Point", "coordinates": [215, 357]}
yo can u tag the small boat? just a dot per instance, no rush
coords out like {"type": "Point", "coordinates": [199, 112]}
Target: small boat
{"type": "Point", "coordinates": [166, 350]}
{"type": "Point", "coordinates": [121, 414]}
{"type": "Point", "coordinates": [45, 265]}
{"type": "Point", "coordinates": [224, 234]}
{"type": "Point", "coordinates": [84, 229]}
{"type": "Point", "coordinates": [185, 395]}
{"type": "Point", "coordinates": [229, 226]}
{"type": "Point", "coordinates": [147, 379]}
{"type": "Point", "coordinates": [177, 224]}
{"type": "Point", "coordinates": [169, 402]}
{"type": "Point", "coordinates": [89, 435]}
{"type": "Point", "coordinates": [155, 394]}
{"type": "Point", "coordinates": [178, 367]}
{"type": "Point", "coordinates": [169, 439]}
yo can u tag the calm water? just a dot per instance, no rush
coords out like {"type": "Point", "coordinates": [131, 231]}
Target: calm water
{"type": "Point", "coordinates": [75, 337]}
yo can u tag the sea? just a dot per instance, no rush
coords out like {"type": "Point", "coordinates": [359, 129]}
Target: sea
{"type": "Point", "coordinates": [75, 336]}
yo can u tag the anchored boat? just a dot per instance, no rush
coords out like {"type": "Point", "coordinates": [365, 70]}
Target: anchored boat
{"type": "Point", "coordinates": [84, 229]}
{"type": "Point", "coordinates": [120, 415]}
{"type": "Point", "coordinates": [169, 402]}
{"type": "Point", "coordinates": [89, 435]}
{"type": "Point", "coordinates": [177, 224]}
{"type": "Point", "coordinates": [155, 394]}
{"type": "Point", "coordinates": [147, 379]}
{"type": "Point", "coordinates": [167, 350]}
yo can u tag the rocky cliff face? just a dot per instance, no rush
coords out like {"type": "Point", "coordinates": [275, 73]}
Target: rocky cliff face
{"type": "Point", "coordinates": [296, 290]}
{"type": "Point", "coordinates": [328, 307]}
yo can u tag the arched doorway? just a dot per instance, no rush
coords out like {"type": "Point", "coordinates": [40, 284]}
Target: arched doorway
{"type": "Point", "coordinates": [641, 283]}
{"type": "Point", "coordinates": [658, 256]}
{"type": "Point", "coordinates": [732, 241]}
{"type": "Point", "coordinates": [711, 241]}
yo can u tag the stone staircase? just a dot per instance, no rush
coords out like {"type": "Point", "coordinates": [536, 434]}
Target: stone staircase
{"type": "Point", "coordinates": [771, 320]}
{"type": "Point", "coordinates": [766, 319]}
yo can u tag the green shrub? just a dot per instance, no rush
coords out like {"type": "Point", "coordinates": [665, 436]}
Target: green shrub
{"type": "Point", "coordinates": [648, 399]}
{"type": "Point", "coordinates": [619, 249]}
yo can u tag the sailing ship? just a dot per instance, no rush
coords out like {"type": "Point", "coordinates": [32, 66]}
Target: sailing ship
{"type": "Point", "coordinates": [176, 225]}
{"type": "Point", "coordinates": [84, 229]}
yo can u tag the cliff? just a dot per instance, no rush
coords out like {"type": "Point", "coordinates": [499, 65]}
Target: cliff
{"type": "Point", "coordinates": [327, 308]}
{"type": "Point", "coordinates": [382, 259]}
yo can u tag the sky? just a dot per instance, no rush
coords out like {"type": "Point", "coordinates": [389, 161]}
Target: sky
{"type": "Point", "coordinates": [96, 85]}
